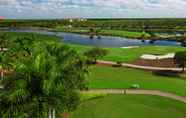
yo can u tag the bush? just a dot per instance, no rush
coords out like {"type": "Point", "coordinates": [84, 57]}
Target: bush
{"type": "Point", "coordinates": [95, 53]}
{"type": "Point", "coordinates": [168, 73]}
{"type": "Point", "coordinates": [135, 86]}
{"type": "Point", "coordinates": [180, 59]}
{"type": "Point", "coordinates": [84, 88]}
{"type": "Point", "coordinates": [118, 64]}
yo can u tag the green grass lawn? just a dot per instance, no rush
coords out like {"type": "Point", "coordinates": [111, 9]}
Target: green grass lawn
{"type": "Point", "coordinates": [122, 33]}
{"type": "Point", "coordinates": [130, 55]}
{"type": "Point", "coordinates": [74, 30]}
{"type": "Point", "coordinates": [130, 106]}
{"type": "Point", "coordinates": [101, 77]}
{"type": "Point", "coordinates": [15, 35]}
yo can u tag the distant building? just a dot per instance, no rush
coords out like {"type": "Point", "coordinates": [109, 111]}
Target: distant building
{"type": "Point", "coordinates": [1, 18]}
{"type": "Point", "coordinates": [77, 19]}
{"type": "Point", "coordinates": [69, 26]}
{"type": "Point", "coordinates": [71, 20]}
{"type": "Point", "coordinates": [82, 19]}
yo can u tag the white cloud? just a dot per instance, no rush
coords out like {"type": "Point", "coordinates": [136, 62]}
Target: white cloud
{"type": "Point", "coordinates": [83, 8]}
{"type": "Point", "coordinates": [7, 2]}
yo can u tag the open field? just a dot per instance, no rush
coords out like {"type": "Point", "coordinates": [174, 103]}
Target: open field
{"type": "Point", "coordinates": [120, 33]}
{"type": "Point", "coordinates": [73, 30]}
{"type": "Point", "coordinates": [118, 78]}
{"type": "Point", "coordinates": [130, 55]}
{"type": "Point", "coordinates": [123, 33]}
{"type": "Point", "coordinates": [130, 106]}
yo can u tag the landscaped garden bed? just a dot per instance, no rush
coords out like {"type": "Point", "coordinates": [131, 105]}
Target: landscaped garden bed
{"type": "Point", "coordinates": [169, 63]}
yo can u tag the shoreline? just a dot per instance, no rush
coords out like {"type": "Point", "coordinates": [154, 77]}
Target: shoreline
{"type": "Point", "coordinates": [102, 34]}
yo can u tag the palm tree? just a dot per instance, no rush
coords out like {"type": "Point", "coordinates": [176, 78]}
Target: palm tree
{"type": "Point", "coordinates": [44, 84]}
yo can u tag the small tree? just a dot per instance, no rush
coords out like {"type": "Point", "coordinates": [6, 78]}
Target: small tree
{"type": "Point", "coordinates": [180, 59]}
{"type": "Point", "coordinates": [95, 53]}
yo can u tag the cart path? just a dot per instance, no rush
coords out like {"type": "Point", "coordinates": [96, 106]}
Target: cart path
{"type": "Point", "coordinates": [138, 92]}
{"type": "Point", "coordinates": [111, 63]}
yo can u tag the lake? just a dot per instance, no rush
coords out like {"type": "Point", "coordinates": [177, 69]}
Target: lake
{"type": "Point", "coordinates": [104, 41]}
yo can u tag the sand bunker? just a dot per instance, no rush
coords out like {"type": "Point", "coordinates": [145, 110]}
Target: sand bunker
{"type": "Point", "coordinates": [129, 47]}
{"type": "Point", "coordinates": [155, 57]}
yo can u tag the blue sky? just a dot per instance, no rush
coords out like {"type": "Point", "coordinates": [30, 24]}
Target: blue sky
{"type": "Point", "coordinates": [92, 8]}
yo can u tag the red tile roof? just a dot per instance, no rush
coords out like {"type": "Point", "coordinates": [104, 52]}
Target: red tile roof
{"type": "Point", "coordinates": [1, 17]}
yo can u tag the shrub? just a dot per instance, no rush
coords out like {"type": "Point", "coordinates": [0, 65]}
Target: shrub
{"type": "Point", "coordinates": [95, 53]}
{"type": "Point", "coordinates": [118, 64]}
{"type": "Point", "coordinates": [135, 86]}
{"type": "Point", "coordinates": [180, 59]}
{"type": "Point", "coordinates": [168, 73]}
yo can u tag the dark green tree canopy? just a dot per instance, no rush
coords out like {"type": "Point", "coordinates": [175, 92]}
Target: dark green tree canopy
{"type": "Point", "coordinates": [47, 78]}
{"type": "Point", "coordinates": [95, 53]}
{"type": "Point", "coordinates": [180, 59]}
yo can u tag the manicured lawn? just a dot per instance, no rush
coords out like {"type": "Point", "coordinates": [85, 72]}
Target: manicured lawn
{"type": "Point", "coordinates": [74, 30]}
{"type": "Point", "coordinates": [109, 77]}
{"type": "Point", "coordinates": [130, 55]}
{"type": "Point", "coordinates": [14, 35]}
{"type": "Point", "coordinates": [123, 33]}
{"type": "Point", "coordinates": [130, 106]}
{"type": "Point", "coordinates": [120, 33]}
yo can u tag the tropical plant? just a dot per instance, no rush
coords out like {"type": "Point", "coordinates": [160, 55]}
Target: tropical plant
{"type": "Point", "coordinates": [43, 84]}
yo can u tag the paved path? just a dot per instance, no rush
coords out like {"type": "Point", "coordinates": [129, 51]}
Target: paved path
{"type": "Point", "coordinates": [110, 63]}
{"type": "Point", "coordinates": [139, 92]}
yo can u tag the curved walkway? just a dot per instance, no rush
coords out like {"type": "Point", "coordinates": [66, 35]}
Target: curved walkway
{"type": "Point", "coordinates": [139, 92]}
{"type": "Point", "coordinates": [111, 63]}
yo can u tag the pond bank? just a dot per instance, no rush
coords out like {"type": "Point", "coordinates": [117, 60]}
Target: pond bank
{"type": "Point", "coordinates": [104, 41]}
{"type": "Point", "coordinates": [142, 36]}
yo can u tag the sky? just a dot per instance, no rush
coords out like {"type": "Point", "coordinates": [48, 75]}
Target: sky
{"type": "Point", "coordinates": [41, 9]}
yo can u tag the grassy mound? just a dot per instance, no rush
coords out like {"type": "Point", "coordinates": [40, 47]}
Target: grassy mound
{"type": "Point", "coordinates": [130, 106]}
